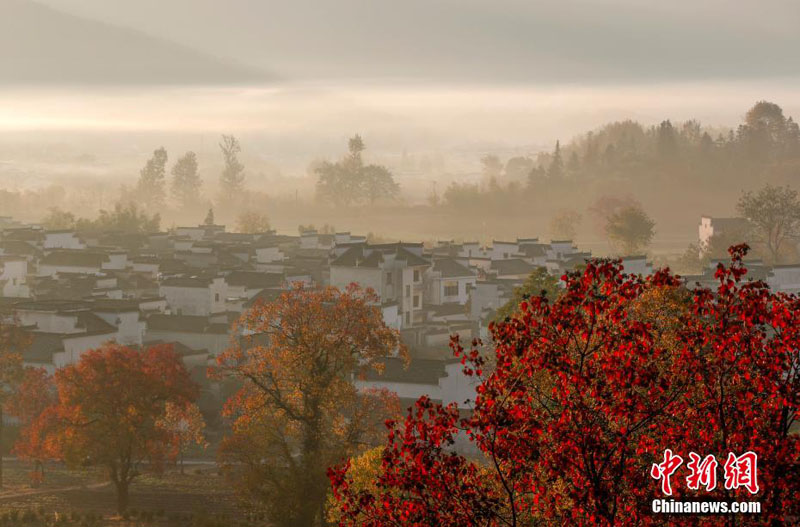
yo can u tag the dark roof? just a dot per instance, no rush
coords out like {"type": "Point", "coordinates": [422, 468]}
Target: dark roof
{"type": "Point", "coordinates": [108, 305]}
{"type": "Point", "coordinates": [41, 347]}
{"type": "Point", "coordinates": [186, 281]}
{"type": "Point", "coordinates": [18, 247]}
{"type": "Point", "coordinates": [185, 324]}
{"type": "Point", "coordinates": [533, 250]}
{"type": "Point", "coordinates": [75, 258]}
{"type": "Point", "coordinates": [265, 296]}
{"type": "Point", "coordinates": [419, 371]}
{"type": "Point", "coordinates": [729, 223]}
{"type": "Point", "coordinates": [93, 325]}
{"type": "Point", "coordinates": [373, 255]}
{"type": "Point", "coordinates": [512, 266]}
{"type": "Point", "coordinates": [255, 279]}
{"type": "Point", "coordinates": [178, 347]}
{"type": "Point", "coordinates": [449, 267]}
{"type": "Point", "coordinates": [451, 308]}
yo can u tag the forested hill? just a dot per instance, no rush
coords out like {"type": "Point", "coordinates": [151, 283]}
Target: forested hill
{"type": "Point", "coordinates": [665, 160]}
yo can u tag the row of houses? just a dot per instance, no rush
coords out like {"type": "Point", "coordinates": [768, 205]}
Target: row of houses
{"type": "Point", "coordinates": [73, 291]}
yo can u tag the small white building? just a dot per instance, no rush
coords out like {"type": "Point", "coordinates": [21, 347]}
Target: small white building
{"type": "Point", "coordinates": [194, 295]}
{"type": "Point", "coordinates": [13, 274]}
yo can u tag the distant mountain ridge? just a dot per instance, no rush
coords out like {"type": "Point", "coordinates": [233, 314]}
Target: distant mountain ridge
{"type": "Point", "coordinates": [40, 45]}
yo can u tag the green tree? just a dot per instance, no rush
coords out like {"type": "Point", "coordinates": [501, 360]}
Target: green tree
{"type": "Point", "coordinates": [209, 217]}
{"type": "Point", "coordinates": [775, 214]}
{"type": "Point", "coordinates": [231, 181]}
{"type": "Point", "coordinates": [124, 218]}
{"type": "Point", "coordinates": [630, 227]}
{"type": "Point", "coordinates": [538, 283]}
{"type": "Point", "coordinates": [378, 183]}
{"type": "Point", "coordinates": [150, 189]}
{"type": "Point", "coordinates": [58, 219]}
{"type": "Point", "coordinates": [556, 168]}
{"type": "Point", "coordinates": [186, 182]}
{"type": "Point", "coordinates": [349, 181]}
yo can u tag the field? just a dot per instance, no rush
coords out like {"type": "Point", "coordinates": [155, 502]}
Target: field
{"type": "Point", "coordinates": [198, 498]}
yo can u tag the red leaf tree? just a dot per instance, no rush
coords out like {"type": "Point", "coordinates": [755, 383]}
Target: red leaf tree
{"type": "Point", "coordinates": [108, 412]}
{"type": "Point", "coordinates": [584, 394]}
{"type": "Point", "coordinates": [35, 392]}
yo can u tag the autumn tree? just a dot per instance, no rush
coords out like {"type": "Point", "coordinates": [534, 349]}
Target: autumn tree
{"type": "Point", "coordinates": [185, 424]}
{"type": "Point", "coordinates": [586, 393]}
{"type": "Point", "coordinates": [35, 392]}
{"type": "Point", "coordinates": [186, 181]}
{"type": "Point", "coordinates": [150, 189]}
{"type": "Point", "coordinates": [231, 181]}
{"type": "Point", "coordinates": [12, 342]}
{"type": "Point", "coordinates": [298, 410]}
{"type": "Point", "coordinates": [631, 228]}
{"type": "Point", "coordinates": [252, 222]}
{"type": "Point", "coordinates": [775, 214]}
{"type": "Point", "coordinates": [109, 408]}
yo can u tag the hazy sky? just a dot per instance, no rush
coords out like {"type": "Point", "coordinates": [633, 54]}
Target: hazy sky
{"type": "Point", "coordinates": [410, 74]}
{"type": "Point", "coordinates": [478, 40]}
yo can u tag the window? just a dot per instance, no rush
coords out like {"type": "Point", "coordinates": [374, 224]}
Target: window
{"type": "Point", "coordinates": [216, 297]}
{"type": "Point", "coordinates": [408, 290]}
{"type": "Point", "coordinates": [416, 275]}
{"type": "Point", "coordinates": [408, 319]}
{"type": "Point", "coordinates": [451, 289]}
{"type": "Point", "coordinates": [388, 278]}
{"type": "Point", "coordinates": [416, 300]}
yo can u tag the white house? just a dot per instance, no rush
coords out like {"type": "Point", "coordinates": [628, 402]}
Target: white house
{"type": "Point", "coordinates": [62, 239]}
{"type": "Point", "coordinates": [448, 281]}
{"type": "Point", "coordinates": [13, 273]}
{"type": "Point", "coordinates": [194, 295]}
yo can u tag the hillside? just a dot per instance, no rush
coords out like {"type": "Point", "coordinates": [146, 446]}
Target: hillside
{"type": "Point", "coordinates": [39, 45]}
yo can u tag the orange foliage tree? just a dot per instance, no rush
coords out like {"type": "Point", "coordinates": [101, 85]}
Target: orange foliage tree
{"type": "Point", "coordinates": [35, 392]}
{"type": "Point", "coordinates": [12, 341]}
{"type": "Point", "coordinates": [298, 409]}
{"type": "Point", "coordinates": [108, 409]}
{"type": "Point", "coordinates": [186, 425]}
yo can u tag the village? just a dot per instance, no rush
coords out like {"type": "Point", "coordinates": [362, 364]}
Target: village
{"type": "Point", "coordinates": [73, 291]}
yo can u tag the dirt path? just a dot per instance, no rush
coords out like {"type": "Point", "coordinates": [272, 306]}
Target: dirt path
{"type": "Point", "coordinates": [35, 492]}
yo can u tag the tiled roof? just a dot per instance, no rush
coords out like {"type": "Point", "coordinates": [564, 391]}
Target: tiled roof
{"type": "Point", "coordinates": [450, 268]}
{"type": "Point", "coordinates": [512, 266]}
{"type": "Point", "coordinates": [76, 258]}
{"type": "Point", "coordinates": [185, 324]}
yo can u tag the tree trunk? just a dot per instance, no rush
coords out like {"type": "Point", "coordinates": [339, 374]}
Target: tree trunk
{"type": "Point", "coordinates": [122, 495]}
